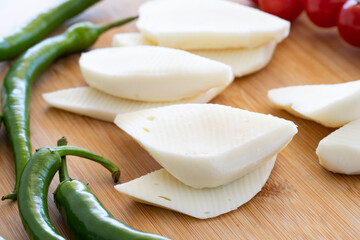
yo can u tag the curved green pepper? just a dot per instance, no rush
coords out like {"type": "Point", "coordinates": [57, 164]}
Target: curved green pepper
{"type": "Point", "coordinates": [85, 216]}
{"type": "Point", "coordinates": [40, 26]}
{"type": "Point", "coordinates": [15, 92]}
{"type": "Point", "coordinates": [34, 186]}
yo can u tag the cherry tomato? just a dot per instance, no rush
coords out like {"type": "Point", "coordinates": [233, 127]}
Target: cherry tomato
{"type": "Point", "coordinates": [323, 13]}
{"type": "Point", "coordinates": [286, 9]}
{"type": "Point", "coordinates": [349, 22]}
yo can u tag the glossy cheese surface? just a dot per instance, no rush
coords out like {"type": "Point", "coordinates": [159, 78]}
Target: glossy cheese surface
{"type": "Point", "coordinates": [243, 61]}
{"type": "Point", "coordinates": [151, 73]}
{"type": "Point", "coordinates": [340, 151]}
{"type": "Point", "coordinates": [207, 145]}
{"type": "Point", "coordinates": [332, 105]}
{"type": "Point", "coordinates": [208, 24]}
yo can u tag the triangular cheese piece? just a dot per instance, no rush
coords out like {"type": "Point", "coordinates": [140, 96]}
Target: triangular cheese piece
{"type": "Point", "coordinates": [96, 104]}
{"type": "Point", "coordinates": [208, 24]}
{"type": "Point", "coordinates": [150, 73]}
{"type": "Point", "coordinates": [331, 105]}
{"type": "Point", "coordinates": [207, 145]}
{"type": "Point", "coordinates": [161, 189]}
{"type": "Point", "coordinates": [340, 151]}
{"type": "Point", "coordinates": [243, 61]}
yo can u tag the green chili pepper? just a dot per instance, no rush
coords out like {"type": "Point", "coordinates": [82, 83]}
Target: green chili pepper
{"type": "Point", "coordinates": [34, 186]}
{"type": "Point", "coordinates": [40, 26]}
{"type": "Point", "coordinates": [16, 85]}
{"type": "Point", "coordinates": [86, 217]}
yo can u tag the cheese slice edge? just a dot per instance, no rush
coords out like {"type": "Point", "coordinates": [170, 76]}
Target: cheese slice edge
{"type": "Point", "coordinates": [152, 73]}
{"type": "Point", "coordinates": [208, 24]}
{"type": "Point", "coordinates": [161, 189]}
{"type": "Point", "coordinates": [93, 103]}
{"type": "Point", "coordinates": [332, 105]}
{"type": "Point", "coordinates": [339, 152]}
{"type": "Point", "coordinates": [242, 61]}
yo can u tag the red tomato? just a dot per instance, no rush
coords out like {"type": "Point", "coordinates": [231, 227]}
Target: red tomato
{"type": "Point", "coordinates": [255, 1]}
{"type": "Point", "coordinates": [349, 22]}
{"type": "Point", "coordinates": [286, 9]}
{"type": "Point", "coordinates": [323, 13]}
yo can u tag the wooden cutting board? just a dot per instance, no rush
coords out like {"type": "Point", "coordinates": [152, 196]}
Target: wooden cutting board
{"type": "Point", "coordinates": [301, 200]}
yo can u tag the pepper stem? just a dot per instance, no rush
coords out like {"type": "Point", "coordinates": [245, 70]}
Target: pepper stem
{"type": "Point", "coordinates": [63, 171]}
{"type": "Point", "coordinates": [103, 28]}
{"type": "Point", "coordinates": [11, 196]}
{"type": "Point", "coordinates": [81, 152]}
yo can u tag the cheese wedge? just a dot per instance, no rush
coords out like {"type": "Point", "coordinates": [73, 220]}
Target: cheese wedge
{"type": "Point", "coordinates": [96, 104]}
{"type": "Point", "coordinates": [241, 60]}
{"type": "Point", "coordinates": [208, 24]}
{"type": "Point", "coordinates": [340, 151]}
{"type": "Point", "coordinates": [331, 105]}
{"type": "Point", "coordinates": [161, 189]}
{"type": "Point", "coordinates": [154, 74]}
{"type": "Point", "coordinates": [207, 145]}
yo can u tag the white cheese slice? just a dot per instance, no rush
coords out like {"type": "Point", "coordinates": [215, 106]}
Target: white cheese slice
{"type": "Point", "coordinates": [150, 73]}
{"type": "Point", "coordinates": [207, 145]}
{"type": "Point", "coordinates": [208, 24]}
{"type": "Point", "coordinates": [161, 189]}
{"type": "Point", "coordinates": [331, 105]}
{"type": "Point", "coordinates": [243, 61]}
{"type": "Point", "coordinates": [96, 104]}
{"type": "Point", "coordinates": [340, 151]}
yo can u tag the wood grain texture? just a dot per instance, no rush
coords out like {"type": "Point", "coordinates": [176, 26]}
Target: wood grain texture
{"type": "Point", "coordinates": [300, 200]}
